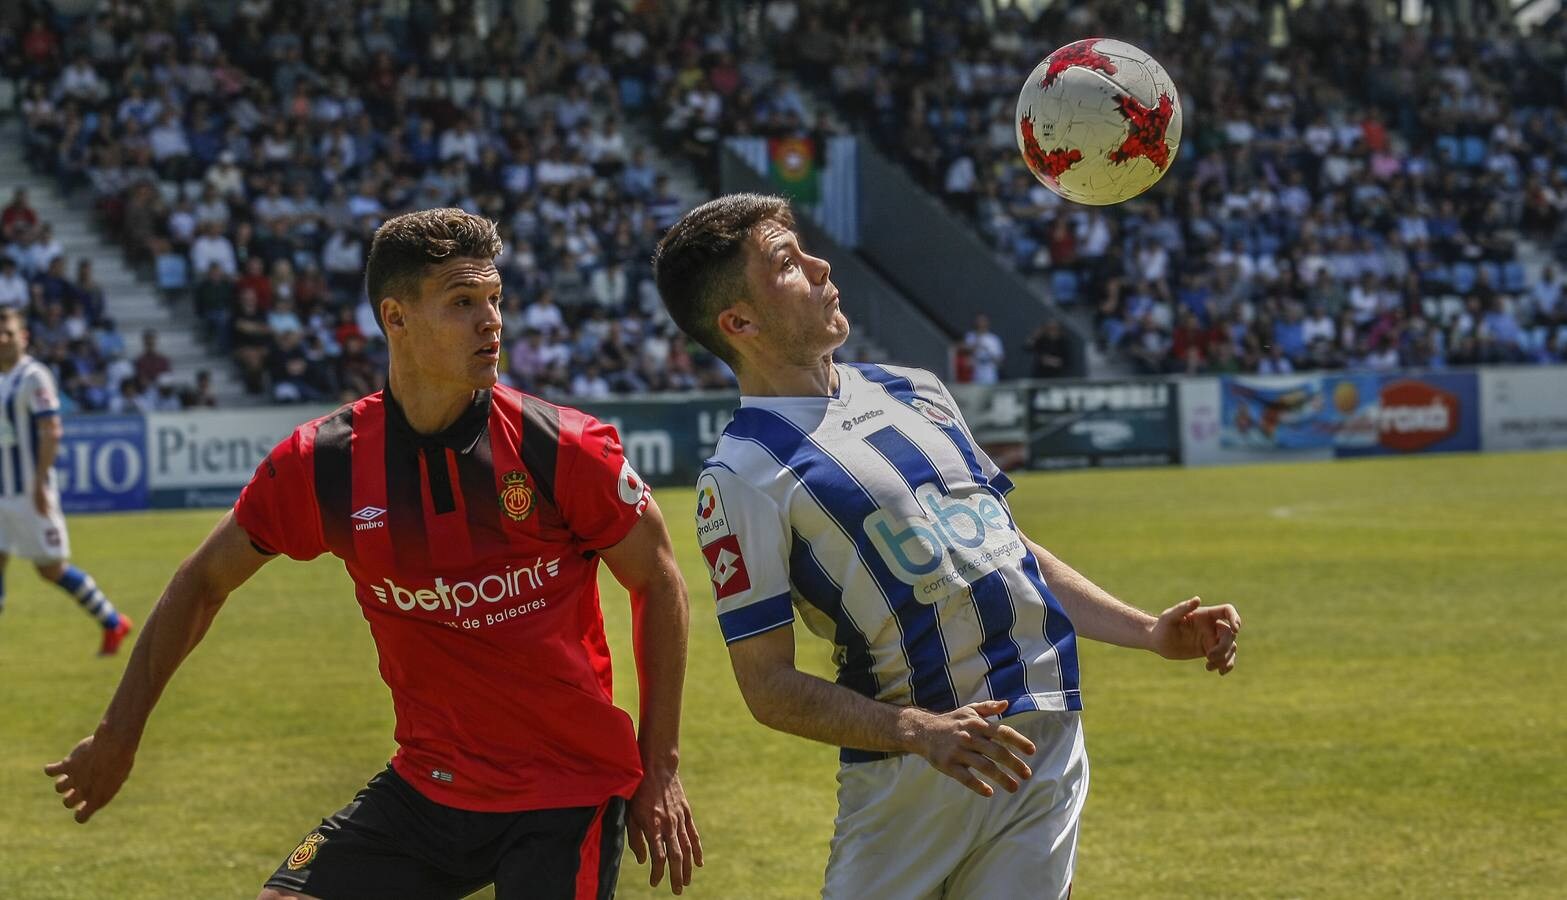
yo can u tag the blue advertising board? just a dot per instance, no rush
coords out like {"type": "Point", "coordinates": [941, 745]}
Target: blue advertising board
{"type": "Point", "coordinates": [102, 464]}
{"type": "Point", "coordinates": [1365, 414]}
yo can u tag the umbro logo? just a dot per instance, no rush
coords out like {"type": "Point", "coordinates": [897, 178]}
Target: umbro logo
{"type": "Point", "coordinates": [369, 517]}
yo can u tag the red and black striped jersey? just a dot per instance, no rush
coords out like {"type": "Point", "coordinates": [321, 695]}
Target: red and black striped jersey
{"type": "Point", "coordinates": [474, 559]}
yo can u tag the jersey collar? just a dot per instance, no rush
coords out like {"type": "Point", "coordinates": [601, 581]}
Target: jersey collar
{"type": "Point", "coordinates": [460, 436]}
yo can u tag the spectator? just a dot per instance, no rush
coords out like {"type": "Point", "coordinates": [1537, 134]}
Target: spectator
{"type": "Point", "coordinates": [151, 364]}
{"type": "Point", "coordinates": [986, 351]}
{"type": "Point", "coordinates": [13, 287]}
{"type": "Point", "coordinates": [1051, 350]}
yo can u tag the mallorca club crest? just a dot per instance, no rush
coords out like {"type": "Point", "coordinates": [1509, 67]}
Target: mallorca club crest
{"type": "Point", "coordinates": [306, 851]}
{"type": "Point", "coordinates": [516, 497]}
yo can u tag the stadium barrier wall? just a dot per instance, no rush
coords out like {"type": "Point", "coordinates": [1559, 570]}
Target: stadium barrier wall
{"type": "Point", "coordinates": [202, 458]}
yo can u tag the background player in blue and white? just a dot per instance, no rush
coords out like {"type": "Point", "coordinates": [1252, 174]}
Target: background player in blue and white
{"type": "Point", "coordinates": [31, 523]}
{"type": "Point", "coordinates": [855, 497]}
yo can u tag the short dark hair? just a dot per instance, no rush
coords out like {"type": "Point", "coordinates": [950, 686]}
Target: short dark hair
{"type": "Point", "coordinates": [406, 245]}
{"type": "Point", "coordinates": [699, 266]}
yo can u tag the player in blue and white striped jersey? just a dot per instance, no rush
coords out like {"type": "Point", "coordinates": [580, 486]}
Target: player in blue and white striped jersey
{"type": "Point", "coordinates": [855, 497]}
{"type": "Point", "coordinates": [32, 525]}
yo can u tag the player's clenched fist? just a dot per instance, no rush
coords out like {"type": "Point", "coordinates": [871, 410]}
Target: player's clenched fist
{"type": "Point", "coordinates": [965, 744]}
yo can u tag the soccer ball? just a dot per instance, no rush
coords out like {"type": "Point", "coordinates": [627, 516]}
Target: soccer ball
{"type": "Point", "coordinates": [1098, 121]}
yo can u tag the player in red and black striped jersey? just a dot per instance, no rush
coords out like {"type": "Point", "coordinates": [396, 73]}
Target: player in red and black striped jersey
{"type": "Point", "coordinates": [472, 519]}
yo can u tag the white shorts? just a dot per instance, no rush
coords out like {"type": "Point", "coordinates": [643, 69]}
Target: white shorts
{"type": "Point", "coordinates": [907, 832]}
{"type": "Point", "coordinates": [25, 533]}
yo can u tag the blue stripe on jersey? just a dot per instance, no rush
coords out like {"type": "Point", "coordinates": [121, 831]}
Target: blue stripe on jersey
{"type": "Point", "coordinates": [847, 502]}
{"type": "Point", "coordinates": [856, 672]}
{"type": "Point", "coordinates": [1006, 673]}
{"type": "Point", "coordinates": [754, 618]}
{"type": "Point", "coordinates": [902, 390]}
{"type": "Point", "coordinates": [1058, 628]}
{"type": "Point", "coordinates": [14, 454]}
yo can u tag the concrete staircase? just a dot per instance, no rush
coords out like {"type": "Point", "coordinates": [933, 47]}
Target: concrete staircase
{"type": "Point", "coordinates": [133, 304]}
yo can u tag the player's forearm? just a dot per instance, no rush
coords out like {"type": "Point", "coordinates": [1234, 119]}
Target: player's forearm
{"type": "Point", "coordinates": [1095, 614]}
{"type": "Point", "coordinates": [660, 623]}
{"type": "Point", "coordinates": [802, 704]}
{"type": "Point", "coordinates": [174, 627]}
{"type": "Point", "coordinates": [48, 450]}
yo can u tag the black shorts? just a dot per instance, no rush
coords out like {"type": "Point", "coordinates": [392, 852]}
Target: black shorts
{"type": "Point", "coordinates": [393, 842]}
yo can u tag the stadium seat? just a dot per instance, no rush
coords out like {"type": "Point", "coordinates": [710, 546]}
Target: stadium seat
{"type": "Point", "coordinates": [1463, 277]}
{"type": "Point", "coordinates": [1063, 286]}
{"type": "Point", "coordinates": [1452, 307]}
{"type": "Point", "coordinates": [633, 93]}
{"type": "Point", "coordinates": [1447, 148]}
{"type": "Point", "coordinates": [1514, 279]}
{"type": "Point", "coordinates": [172, 274]}
{"type": "Point", "coordinates": [1475, 151]}
{"type": "Point", "coordinates": [1493, 274]}
{"type": "Point", "coordinates": [461, 90]}
{"type": "Point", "coordinates": [493, 91]}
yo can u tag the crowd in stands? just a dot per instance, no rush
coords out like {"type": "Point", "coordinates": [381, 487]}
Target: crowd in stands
{"type": "Point", "coordinates": [1350, 197]}
{"type": "Point", "coordinates": [246, 162]}
{"type": "Point", "coordinates": [70, 331]}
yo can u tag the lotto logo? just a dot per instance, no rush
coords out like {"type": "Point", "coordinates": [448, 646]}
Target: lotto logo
{"type": "Point", "coordinates": [727, 567]}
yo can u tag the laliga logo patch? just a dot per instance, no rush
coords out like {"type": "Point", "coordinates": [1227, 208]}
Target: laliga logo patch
{"type": "Point", "coordinates": [706, 502]}
{"type": "Point", "coordinates": [516, 497]}
{"type": "Point", "coordinates": [633, 492]}
{"type": "Point", "coordinates": [306, 851]}
{"type": "Point", "coordinates": [932, 412]}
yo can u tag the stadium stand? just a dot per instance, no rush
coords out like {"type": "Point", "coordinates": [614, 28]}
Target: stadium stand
{"type": "Point", "coordinates": [1399, 206]}
{"type": "Point", "coordinates": [1389, 209]}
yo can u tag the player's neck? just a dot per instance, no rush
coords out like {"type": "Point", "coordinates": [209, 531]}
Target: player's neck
{"type": "Point", "coordinates": [429, 410]}
{"type": "Point", "coordinates": [818, 379]}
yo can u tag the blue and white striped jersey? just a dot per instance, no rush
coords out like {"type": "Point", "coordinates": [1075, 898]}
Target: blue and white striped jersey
{"type": "Point", "coordinates": [27, 394]}
{"type": "Point", "coordinates": [876, 516]}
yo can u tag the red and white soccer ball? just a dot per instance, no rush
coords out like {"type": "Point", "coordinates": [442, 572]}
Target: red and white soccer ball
{"type": "Point", "coordinates": [1099, 121]}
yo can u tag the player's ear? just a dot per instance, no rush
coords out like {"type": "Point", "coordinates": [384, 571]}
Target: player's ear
{"type": "Point", "coordinates": [393, 315]}
{"type": "Point", "coordinates": [737, 321]}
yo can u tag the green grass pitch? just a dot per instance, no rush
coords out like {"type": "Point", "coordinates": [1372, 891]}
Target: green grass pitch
{"type": "Point", "coordinates": [1396, 727]}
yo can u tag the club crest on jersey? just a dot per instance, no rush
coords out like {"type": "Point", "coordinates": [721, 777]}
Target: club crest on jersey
{"type": "Point", "coordinates": [516, 496]}
{"type": "Point", "coordinates": [632, 489]}
{"type": "Point", "coordinates": [932, 412]}
{"type": "Point", "coordinates": [306, 851]}
{"type": "Point", "coordinates": [727, 567]}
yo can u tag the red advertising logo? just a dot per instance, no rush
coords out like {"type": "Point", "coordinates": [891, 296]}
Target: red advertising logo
{"type": "Point", "coordinates": [727, 567]}
{"type": "Point", "coordinates": [1414, 415]}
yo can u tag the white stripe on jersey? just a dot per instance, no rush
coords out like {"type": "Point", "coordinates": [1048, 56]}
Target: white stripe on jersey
{"type": "Point", "coordinates": [876, 515]}
{"type": "Point", "coordinates": [26, 392]}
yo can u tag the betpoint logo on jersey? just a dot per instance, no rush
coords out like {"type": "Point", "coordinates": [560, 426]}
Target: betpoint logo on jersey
{"type": "Point", "coordinates": [461, 595]}
{"type": "Point", "coordinates": [957, 540]}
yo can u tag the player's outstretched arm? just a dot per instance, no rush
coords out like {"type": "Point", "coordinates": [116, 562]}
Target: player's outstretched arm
{"type": "Point", "coordinates": [963, 744]}
{"type": "Point", "coordinates": [660, 822]}
{"type": "Point", "coordinates": [1187, 630]}
{"type": "Point", "coordinates": [92, 773]}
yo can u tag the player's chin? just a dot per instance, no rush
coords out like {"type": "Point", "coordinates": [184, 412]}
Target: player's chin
{"type": "Point", "coordinates": [484, 374]}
